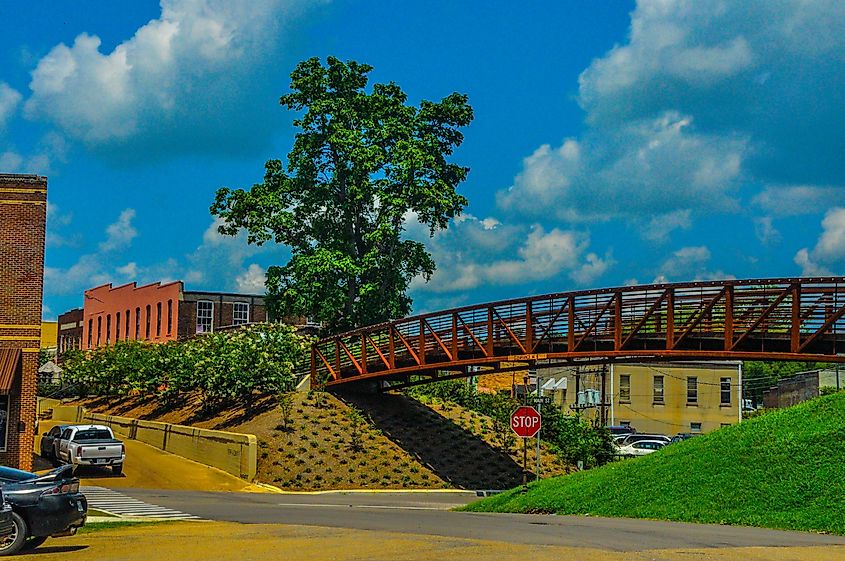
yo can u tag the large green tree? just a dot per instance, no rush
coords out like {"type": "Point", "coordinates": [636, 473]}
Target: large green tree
{"type": "Point", "coordinates": [363, 162]}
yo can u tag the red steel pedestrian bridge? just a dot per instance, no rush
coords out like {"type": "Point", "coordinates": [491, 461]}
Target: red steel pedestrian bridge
{"type": "Point", "coordinates": [792, 319]}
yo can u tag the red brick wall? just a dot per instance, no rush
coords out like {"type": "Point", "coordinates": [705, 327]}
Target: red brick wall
{"type": "Point", "coordinates": [23, 215]}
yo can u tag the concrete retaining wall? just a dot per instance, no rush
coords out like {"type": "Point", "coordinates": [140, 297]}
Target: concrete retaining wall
{"type": "Point", "coordinates": [231, 452]}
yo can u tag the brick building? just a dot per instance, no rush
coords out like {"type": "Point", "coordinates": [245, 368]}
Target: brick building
{"type": "Point", "coordinates": [70, 332]}
{"type": "Point", "coordinates": [23, 215]}
{"type": "Point", "coordinates": [161, 312]}
{"type": "Point", "coordinates": [803, 386]}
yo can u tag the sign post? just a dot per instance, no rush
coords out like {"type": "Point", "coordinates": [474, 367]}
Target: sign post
{"type": "Point", "coordinates": [525, 422]}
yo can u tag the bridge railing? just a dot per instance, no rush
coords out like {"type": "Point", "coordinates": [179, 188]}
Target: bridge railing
{"type": "Point", "coordinates": [788, 319]}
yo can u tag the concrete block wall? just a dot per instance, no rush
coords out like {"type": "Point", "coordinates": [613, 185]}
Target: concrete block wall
{"type": "Point", "coordinates": [231, 452]}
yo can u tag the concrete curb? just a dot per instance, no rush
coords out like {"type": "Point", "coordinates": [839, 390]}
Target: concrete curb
{"type": "Point", "coordinates": [376, 491]}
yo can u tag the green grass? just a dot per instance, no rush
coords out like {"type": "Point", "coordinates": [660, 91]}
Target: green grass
{"type": "Point", "coordinates": [785, 469]}
{"type": "Point", "coordinates": [118, 524]}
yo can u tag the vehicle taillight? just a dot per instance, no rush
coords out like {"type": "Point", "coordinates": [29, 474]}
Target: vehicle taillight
{"type": "Point", "coordinates": [79, 451]}
{"type": "Point", "coordinates": [63, 489]}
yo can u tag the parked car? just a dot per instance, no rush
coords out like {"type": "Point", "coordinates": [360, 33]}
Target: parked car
{"type": "Point", "coordinates": [91, 445]}
{"type": "Point", "coordinates": [620, 430]}
{"type": "Point", "coordinates": [7, 526]}
{"type": "Point", "coordinates": [683, 436]}
{"type": "Point", "coordinates": [641, 448]}
{"type": "Point", "coordinates": [43, 506]}
{"type": "Point", "coordinates": [49, 443]}
{"type": "Point", "coordinates": [632, 438]}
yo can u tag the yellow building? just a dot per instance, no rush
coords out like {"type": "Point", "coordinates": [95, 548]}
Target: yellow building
{"type": "Point", "coordinates": [662, 398]}
{"type": "Point", "coordinates": [49, 335]}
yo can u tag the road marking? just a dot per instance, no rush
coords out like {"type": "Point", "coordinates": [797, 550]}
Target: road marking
{"type": "Point", "coordinates": [390, 507]}
{"type": "Point", "coordinates": [113, 502]}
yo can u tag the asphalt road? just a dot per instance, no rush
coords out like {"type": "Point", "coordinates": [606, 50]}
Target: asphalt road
{"type": "Point", "coordinates": [428, 514]}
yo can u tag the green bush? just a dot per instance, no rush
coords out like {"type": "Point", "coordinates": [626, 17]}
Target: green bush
{"type": "Point", "coordinates": [223, 366]}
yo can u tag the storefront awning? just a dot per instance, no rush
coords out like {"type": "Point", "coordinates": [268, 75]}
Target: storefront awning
{"type": "Point", "coordinates": [9, 361]}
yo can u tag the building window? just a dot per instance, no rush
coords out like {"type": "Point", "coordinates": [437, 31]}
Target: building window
{"type": "Point", "coordinates": [658, 389]}
{"type": "Point", "coordinates": [90, 331]}
{"type": "Point", "coordinates": [117, 326]}
{"type": "Point", "coordinates": [137, 323]}
{"type": "Point", "coordinates": [126, 337]}
{"type": "Point", "coordinates": [240, 313]}
{"type": "Point", "coordinates": [205, 315]}
{"type": "Point", "coordinates": [695, 427]}
{"type": "Point", "coordinates": [147, 330]}
{"type": "Point", "coordinates": [108, 329]}
{"type": "Point", "coordinates": [726, 391]}
{"type": "Point", "coordinates": [158, 319]}
{"type": "Point", "coordinates": [99, 329]}
{"type": "Point", "coordinates": [692, 390]}
{"type": "Point", "coordinates": [169, 317]}
{"type": "Point", "coordinates": [4, 422]}
{"type": "Point", "coordinates": [625, 388]}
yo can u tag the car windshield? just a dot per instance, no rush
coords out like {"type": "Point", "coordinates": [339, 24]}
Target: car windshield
{"type": "Point", "coordinates": [12, 474]}
{"type": "Point", "coordinates": [92, 434]}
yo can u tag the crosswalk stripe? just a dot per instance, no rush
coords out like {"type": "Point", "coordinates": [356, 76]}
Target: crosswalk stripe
{"type": "Point", "coordinates": [117, 503]}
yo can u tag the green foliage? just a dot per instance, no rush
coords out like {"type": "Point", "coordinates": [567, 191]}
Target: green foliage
{"type": "Point", "coordinates": [223, 366]}
{"type": "Point", "coordinates": [285, 402]}
{"type": "Point", "coordinates": [828, 390]}
{"type": "Point", "coordinates": [362, 161]}
{"type": "Point", "coordinates": [758, 376]}
{"type": "Point", "coordinates": [357, 424]}
{"type": "Point", "coordinates": [571, 437]}
{"type": "Point", "coordinates": [781, 470]}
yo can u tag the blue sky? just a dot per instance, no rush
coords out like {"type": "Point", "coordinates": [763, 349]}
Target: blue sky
{"type": "Point", "coordinates": [613, 142]}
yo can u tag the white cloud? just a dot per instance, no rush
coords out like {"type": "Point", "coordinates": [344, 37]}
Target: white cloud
{"type": "Point", "coordinates": [660, 226]}
{"type": "Point", "coordinates": [830, 247]}
{"type": "Point", "coordinates": [252, 280]}
{"type": "Point", "coordinates": [765, 230]}
{"type": "Point", "coordinates": [659, 168]}
{"type": "Point", "coordinates": [196, 78]}
{"type": "Point", "coordinates": [120, 233]}
{"type": "Point", "coordinates": [472, 254]}
{"type": "Point", "coordinates": [705, 103]}
{"type": "Point", "coordinates": [690, 263]}
{"type": "Point", "coordinates": [796, 200]}
{"type": "Point", "coordinates": [9, 100]}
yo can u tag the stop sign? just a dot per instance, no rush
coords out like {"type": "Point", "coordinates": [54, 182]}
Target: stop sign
{"type": "Point", "coordinates": [525, 421]}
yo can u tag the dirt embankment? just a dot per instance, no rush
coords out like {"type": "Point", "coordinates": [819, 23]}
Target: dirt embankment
{"type": "Point", "coordinates": [394, 441]}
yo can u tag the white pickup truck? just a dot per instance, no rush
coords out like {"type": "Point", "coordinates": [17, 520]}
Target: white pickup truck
{"type": "Point", "coordinates": [91, 445]}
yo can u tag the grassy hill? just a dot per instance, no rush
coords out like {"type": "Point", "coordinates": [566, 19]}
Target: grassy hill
{"type": "Point", "coordinates": [784, 469]}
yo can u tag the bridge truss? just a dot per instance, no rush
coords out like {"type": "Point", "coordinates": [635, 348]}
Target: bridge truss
{"type": "Point", "coordinates": [792, 319]}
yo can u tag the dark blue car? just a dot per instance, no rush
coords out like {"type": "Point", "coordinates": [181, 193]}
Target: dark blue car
{"type": "Point", "coordinates": [43, 506]}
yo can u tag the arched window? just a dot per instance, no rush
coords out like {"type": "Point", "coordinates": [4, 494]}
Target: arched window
{"type": "Point", "coordinates": [99, 329]}
{"type": "Point", "coordinates": [126, 337]}
{"type": "Point", "coordinates": [137, 323]}
{"type": "Point", "coordinates": [169, 317]}
{"type": "Point", "coordinates": [108, 329]}
{"type": "Point", "coordinates": [147, 330]}
{"type": "Point", "coordinates": [117, 327]}
{"type": "Point", "coordinates": [90, 331]}
{"type": "Point", "coordinates": [158, 319]}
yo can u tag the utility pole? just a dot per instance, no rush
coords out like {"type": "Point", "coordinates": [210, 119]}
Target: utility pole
{"type": "Point", "coordinates": [524, 440]}
{"type": "Point", "coordinates": [604, 395]}
{"type": "Point", "coordinates": [533, 372]}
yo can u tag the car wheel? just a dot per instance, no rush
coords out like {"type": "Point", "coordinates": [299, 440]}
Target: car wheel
{"type": "Point", "coordinates": [33, 542]}
{"type": "Point", "coordinates": [11, 544]}
{"type": "Point", "coordinates": [117, 469]}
